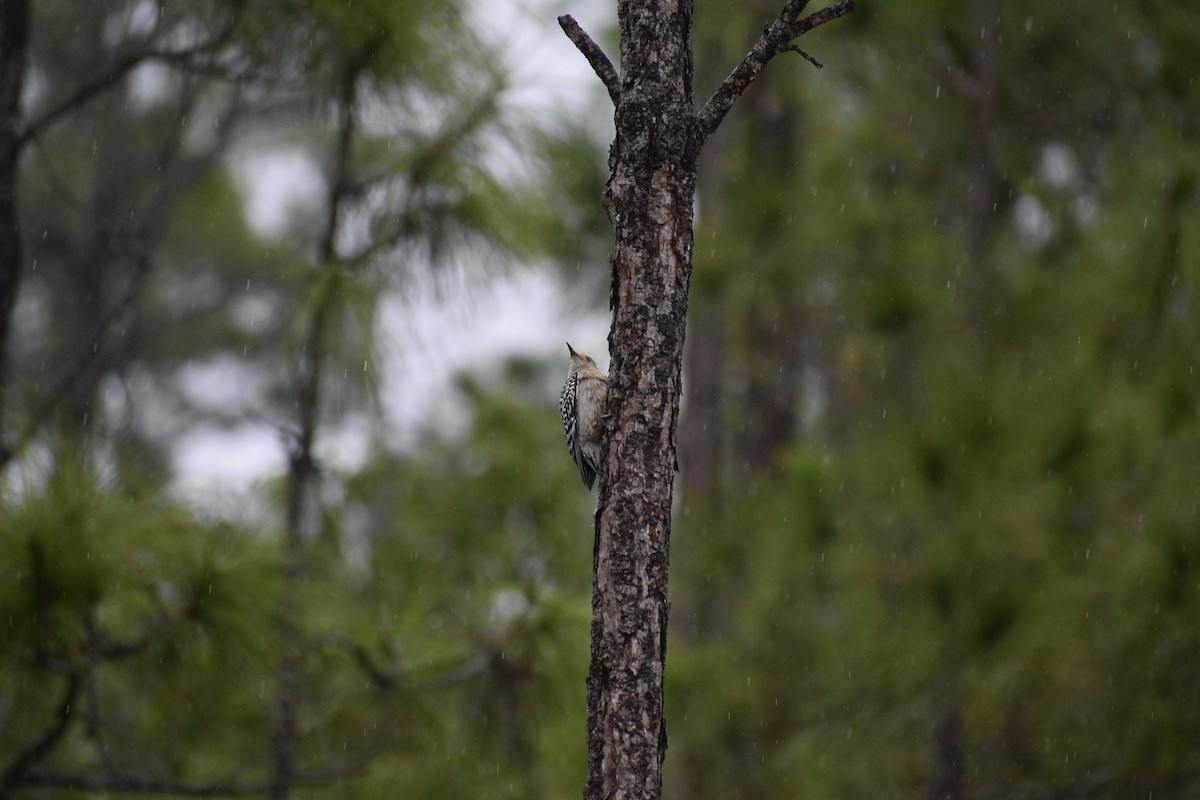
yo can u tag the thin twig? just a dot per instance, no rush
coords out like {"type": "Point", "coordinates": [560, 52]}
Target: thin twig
{"type": "Point", "coordinates": [595, 56]}
{"type": "Point", "coordinates": [774, 40]}
{"type": "Point", "coordinates": [806, 55]}
{"type": "Point", "coordinates": [386, 678]}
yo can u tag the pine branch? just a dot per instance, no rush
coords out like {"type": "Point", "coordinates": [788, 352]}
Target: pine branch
{"type": "Point", "coordinates": [121, 67]}
{"type": "Point", "coordinates": [140, 784]}
{"type": "Point", "coordinates": [386, 678]}
{"type": "Point", "coordinates": [17, 772]}
{"type": "Point", "coordinates": [149, 784]}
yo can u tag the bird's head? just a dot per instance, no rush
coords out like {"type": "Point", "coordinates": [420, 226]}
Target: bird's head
{"type": "Point", "coordinates": [580, 360]}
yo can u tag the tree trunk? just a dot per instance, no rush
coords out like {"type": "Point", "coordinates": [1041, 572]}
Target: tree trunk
{"type": "Point", "coordinates": [649, 200]}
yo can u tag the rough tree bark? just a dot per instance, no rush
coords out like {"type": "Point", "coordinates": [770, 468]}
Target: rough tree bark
{"type": "Point", "coordinates": [649, 199]}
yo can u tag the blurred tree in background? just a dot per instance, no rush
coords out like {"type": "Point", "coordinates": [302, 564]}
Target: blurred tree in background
{"type": "Point", "coordinates": [939, 529]}
{"type": "Point", "coordinates": [147, 650]}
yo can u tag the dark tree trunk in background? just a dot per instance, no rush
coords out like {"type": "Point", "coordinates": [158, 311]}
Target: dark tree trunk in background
{"type": "Point", "coordinates": [1174, 209]}
{"type": "Point", "coordinates": [699, 442]}
{"type": "Point", "coordinates": [774, 367]}
{"type": "Point", "coordinates": [108, 266]}
{"type": "Point", "coordinates": [649, 200]}
{"type": "Point", "coordinates": [949, 770]}
{"type": "Point", "coordinates": [699, 437]}
{"type": "Point", "coordinates": [14, 59]}
{"type": "Point", "coordinates": [303, 470]}
{"type": "Point", "coordinates": [93, 269]}
{"type": "Point", "coordinates": [987, 185]}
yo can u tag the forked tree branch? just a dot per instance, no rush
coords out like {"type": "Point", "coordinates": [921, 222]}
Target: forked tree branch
{"type": "Point", "coordinates": [141, 784]}
{"type": "Point", "coordinates": [15, 773]}
{"type": "Point", "coordinates": [150, 784]}
{"type": "Point", "coordinates": [595, 56]}
{"type": "Point", "coordinates": [775, 39]}
{"type": "Point", "coordinates": [121, 66]}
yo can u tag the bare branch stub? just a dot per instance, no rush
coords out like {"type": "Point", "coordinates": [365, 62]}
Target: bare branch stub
{"type": "Point", "coordinates": [774, 40]}
{"type": "Point", "coordinates": [602, 66]}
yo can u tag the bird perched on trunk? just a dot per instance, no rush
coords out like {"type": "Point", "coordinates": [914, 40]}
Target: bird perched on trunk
{"type": "Point", "coordinates": [582, 407]}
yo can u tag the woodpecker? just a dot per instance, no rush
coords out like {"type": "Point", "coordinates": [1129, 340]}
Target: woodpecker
{"type": "Point", "coordinates": [582, 407]}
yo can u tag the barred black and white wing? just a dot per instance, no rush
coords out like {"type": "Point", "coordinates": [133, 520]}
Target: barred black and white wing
{"type": "Point", "coordinates": [582, 406]}
{"type": "Point", "coordinates": [570, 419]}
{"type": "Point", "coordinates": [569, 409]}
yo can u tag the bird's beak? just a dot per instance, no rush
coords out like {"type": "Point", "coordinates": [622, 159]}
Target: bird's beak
{"type": "Point", "coordinates": [570, 349]}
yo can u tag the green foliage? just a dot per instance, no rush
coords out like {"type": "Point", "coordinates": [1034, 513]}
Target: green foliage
{"type": "Point", "coordinates": [458, 574]}
{"type": "Point", "coordinates": [994, 510]}
{"type": "Point", "coordinates": [478, 554]}
{"type": "Point", "coordinates": [149, 607]}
